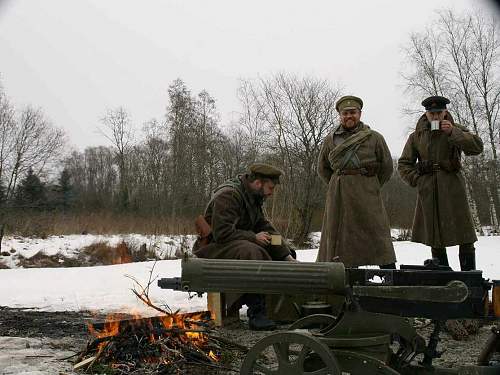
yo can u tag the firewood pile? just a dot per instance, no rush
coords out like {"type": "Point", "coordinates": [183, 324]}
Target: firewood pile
{"type": "Point", "coordinates": [171, 343]}
{"type": "Point", "coordinates": [167, 344]}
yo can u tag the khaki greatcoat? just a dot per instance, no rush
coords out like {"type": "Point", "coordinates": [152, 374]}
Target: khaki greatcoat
{"type": "Point", "coordinates": [355, 224]}
{"type": "Point", "coordinates": [442, 215]}
{"type": "Point", "coordinates": [235, 215]}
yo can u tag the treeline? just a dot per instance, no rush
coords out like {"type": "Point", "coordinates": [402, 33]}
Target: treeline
{"type": "Point", "coordinates": [172, 166]}
{"type": "Point", "coordinates": [168, 168]}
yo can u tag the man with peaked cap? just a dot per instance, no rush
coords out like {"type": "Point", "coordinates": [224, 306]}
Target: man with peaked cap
{"type": "Point", "coordinates": [355, 162]}
{"type": "Point", "coordinates": [431, 163]}
{"type": "Point", "coordinates": [238, 229]}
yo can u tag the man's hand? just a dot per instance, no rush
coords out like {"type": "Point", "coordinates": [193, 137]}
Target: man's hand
{"type": "Point", "coordinates": [290, 258]}
{"type": "Point", "coordinates": [263, 238]}
{"type": "Point", "coordinates": [446, 127]}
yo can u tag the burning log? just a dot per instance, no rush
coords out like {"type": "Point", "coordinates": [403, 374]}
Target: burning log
{"type": "Point", "coordinates": [162, 343]}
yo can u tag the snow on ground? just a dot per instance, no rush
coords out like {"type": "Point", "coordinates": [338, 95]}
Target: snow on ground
{"type": "Point", "coordinates": [106, 288]}
{"type": "Point", "coordinates": [103, 288]}
{"type": "Point", "coordinates": [69, 245]}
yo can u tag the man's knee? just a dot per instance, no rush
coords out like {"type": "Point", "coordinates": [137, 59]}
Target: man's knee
{"type": "Point", "coordinates": [251, 251]}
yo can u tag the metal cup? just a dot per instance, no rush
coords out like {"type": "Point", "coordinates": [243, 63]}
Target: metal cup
{"type": "Point", "coordinates": [275, 239]}
{"type": "Point", "coordinates": [435, 125]}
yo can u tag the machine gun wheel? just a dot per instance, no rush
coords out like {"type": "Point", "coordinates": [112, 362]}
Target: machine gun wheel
{"type": "Point", "coordinates": [290, 353]}
{"type": "Point", "coordinates": [317, 321]}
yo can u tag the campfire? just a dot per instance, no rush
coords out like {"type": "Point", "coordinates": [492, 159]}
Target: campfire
{"type": "Point", "coordinates": [165, 344]}
{"type": "Point", "coordinates": [161, 344]}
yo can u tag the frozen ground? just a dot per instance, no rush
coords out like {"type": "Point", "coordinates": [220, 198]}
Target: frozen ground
{"type": "Point", "coordinates": [33, 356]}
{"type": "Point", "coordinates": [106, 288]}
{"type": "Point", "coordinates": [15, 246]}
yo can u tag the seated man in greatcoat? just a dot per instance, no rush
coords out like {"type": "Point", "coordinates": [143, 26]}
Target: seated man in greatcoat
{"type": "Point", "coordinates": [236, 228]}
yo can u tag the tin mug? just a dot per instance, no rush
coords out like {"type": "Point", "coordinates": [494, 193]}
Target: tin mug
{"type": "Point", "coordinates": [275, 239]}
{"type": "Point", "coordinates": [435, 125]}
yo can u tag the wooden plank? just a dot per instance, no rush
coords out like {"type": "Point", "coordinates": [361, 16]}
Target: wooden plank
{"type": "Point", "coordinates": [215, 305]}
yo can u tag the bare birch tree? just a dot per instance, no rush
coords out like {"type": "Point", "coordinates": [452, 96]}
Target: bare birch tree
{"type": "Point", "coordinates": [118, 130]}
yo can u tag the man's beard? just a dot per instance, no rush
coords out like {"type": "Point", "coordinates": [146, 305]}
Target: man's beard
{"type": "Point", "coordinates": [259, 195]}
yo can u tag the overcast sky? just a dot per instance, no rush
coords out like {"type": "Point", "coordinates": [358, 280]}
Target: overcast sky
{"type": "Point", "coordinates": [75, 59]}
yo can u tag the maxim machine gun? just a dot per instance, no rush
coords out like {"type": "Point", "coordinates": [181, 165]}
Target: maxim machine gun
{"type": "Point", "coordinates": [370, 334]}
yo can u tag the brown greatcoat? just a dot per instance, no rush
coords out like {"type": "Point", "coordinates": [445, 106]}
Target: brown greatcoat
{"type": "Point", "coordinates": [355, 224]}
{"type": "Point", "coordinates": [442, 216]}
{"type": "Point", "coordinates": [235, 215]}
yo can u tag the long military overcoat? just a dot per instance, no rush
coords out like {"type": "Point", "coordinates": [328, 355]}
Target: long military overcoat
{"type": "Point", "coordinates": [355, 224]}
{"type": "Point", "coordinates": [442, 216]}
{"type": "Point", "coordinates": [235, 215]}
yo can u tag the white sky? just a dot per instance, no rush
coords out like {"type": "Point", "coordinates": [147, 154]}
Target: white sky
{"type": "Point", "coordinates": [75, 59]}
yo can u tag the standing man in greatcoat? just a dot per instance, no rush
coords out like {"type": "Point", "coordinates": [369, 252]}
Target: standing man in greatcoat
{"type": "Point", "coordinates": [355, 162]}
{"type": "Point", "coordinates": [431, 163]}
{"type": "Point", "coordinates": [238, 229]}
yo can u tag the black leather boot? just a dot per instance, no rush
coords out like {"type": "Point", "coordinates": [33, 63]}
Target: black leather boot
{"type": "Point", "coordinates": [440, 254]}
{"type": "Point", "coordinates": [257, 320]}
{"type": "Point", "coordinates": [467, 256]}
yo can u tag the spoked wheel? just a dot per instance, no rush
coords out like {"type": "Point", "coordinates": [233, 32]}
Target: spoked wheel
{"type": "Point", "coordinates": [318, 322]}
{"type": "Point", "coordinates": [290, 353]}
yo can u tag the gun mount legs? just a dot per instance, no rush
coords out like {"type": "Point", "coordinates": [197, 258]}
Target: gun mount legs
{"type": "Point", "coordinates": [290, 353]}
{"type": "Point", "coordinates": [431, 352]}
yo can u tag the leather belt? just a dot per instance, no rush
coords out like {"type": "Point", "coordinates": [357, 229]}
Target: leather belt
{"type": "Point", "coordinates": [361, 171]}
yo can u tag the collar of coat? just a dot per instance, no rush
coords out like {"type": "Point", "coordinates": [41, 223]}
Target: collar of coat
{"type": "Point", "coordinates": [241, 184]}
{"type": "Point", "coordinates": [362, 133]}
{"type": "Point", "coordinates": [340, 129]}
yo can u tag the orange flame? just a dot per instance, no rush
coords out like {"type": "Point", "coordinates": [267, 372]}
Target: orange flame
{"type": "Point", "coordinates": [178, 324]}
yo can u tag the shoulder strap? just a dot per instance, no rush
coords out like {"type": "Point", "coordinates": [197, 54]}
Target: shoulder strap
{"type": "Point", "coordinates": [348, 156]}
{"type": "Point", "coordinates": [349, 143]}
{"type": "Point", "coordinates": [235, 185]}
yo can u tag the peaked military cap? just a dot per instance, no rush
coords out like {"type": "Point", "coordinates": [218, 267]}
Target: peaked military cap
{"type": "Point", "coordinates": [348, 102]}
{"type": "Point", "coordinates": [266, 171]}
{"type": "Point", "coordinates": [435, 103]}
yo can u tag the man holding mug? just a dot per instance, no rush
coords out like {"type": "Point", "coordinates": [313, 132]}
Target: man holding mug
{"type": "Point", "coordinates": [234, 227]}
{"type": "Point", "coordinates": [431, 163]}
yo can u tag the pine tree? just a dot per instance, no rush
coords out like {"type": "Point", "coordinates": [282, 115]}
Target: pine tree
{"type": "Point", "coordinates": [31, 192]}
{"type": "Point", "coordinates": [64, 189]}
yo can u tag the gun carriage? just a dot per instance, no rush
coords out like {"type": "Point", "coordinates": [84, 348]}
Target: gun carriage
{"type": "Point", "coordinates": [371, 333]}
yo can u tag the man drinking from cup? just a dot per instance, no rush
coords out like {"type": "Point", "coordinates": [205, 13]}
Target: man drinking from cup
{"type": "Point", "coordinates": [431, 162]}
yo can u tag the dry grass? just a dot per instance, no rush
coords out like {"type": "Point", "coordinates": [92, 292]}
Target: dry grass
{"type": "Point", "coordinates": [97, 254]}
{"type": "Point", "coordinates": [54, 223]}
{"type": "Point", "coordinates": [42, 260]}
{"type": "Point", "coordinates": [101, 253]}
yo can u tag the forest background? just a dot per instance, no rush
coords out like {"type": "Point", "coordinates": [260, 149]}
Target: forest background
{"type": "Point", "coordinates": [158, 176]}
